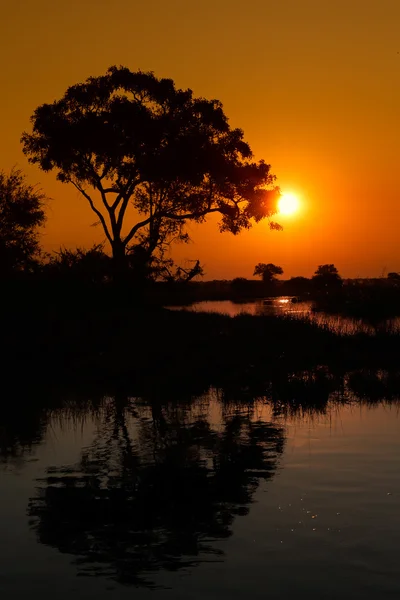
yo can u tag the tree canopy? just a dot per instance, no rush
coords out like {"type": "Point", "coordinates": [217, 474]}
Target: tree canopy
{"type": "Point", "coordinates": [327, 276]}
{"type": "Point", "coordinates": [268, 272]}
{"type": "Point", "coordinates": [21, 215]}
{"type": "Point", "coordinates": [393, 276]}
{"type": "Point", "coordinates": [128, 140]}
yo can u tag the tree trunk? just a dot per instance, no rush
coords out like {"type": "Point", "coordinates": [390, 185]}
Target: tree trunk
{"type": "Point", "coordinates": [120, 263]}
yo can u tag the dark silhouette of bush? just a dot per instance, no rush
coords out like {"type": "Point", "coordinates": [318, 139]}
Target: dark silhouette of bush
{"type": "Point", "coordinates": [297, 286]}
{"type": "Point", "coordinates": [21, 216]}
{"type": "Point", "coordinates": [240, 287]}
{"type": "Point", "coordinates": [80, 266]}
{"type": "Point", "coordinates": [394, 279]}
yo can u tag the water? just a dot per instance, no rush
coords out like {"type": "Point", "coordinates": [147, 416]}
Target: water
{"type": "Point", "coordinates": [283, 305]}
{"type": "Point", "coordinates": [279, 305]}
{"type": "Point", "coordinates": [204, 497]}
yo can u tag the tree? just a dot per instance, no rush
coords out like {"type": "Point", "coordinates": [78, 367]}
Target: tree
{"type": "Point", "coordinates": [394, 277]}
{"type": "Point", "coordinates": [21, 215]}
{"type": "Point", "coordinates": [128, 139]}
{"type": "Point", "coordinates": [267, 272]}
{"type": "Point", "coordinates": [327, 276]}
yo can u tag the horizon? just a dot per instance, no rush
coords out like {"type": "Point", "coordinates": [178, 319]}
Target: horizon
{"type": "Point", "coordinates": [315, 96]}
{"type": "Point", "coordinates": [283, 279]}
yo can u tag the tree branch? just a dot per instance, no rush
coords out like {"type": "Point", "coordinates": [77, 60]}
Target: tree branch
{"type": "Point", "coordinates": [161, 215]}
{"type": "Point", "coordinates": [118, 199]}
{"type": "Point", "coordinates": [190, 215]}
{"type": "Point", "coordinates": [111, 190]}
{"type": "Point", "coordinates": [94, 209]}
{"type": "Point", "coordinates": [103, 195]}
{"type": "Point", "coordinates": [122, 210]}
{"type": "Point", "coordinates": [126, 194]}
{"type": "Point", "coordinates": [135, 229]}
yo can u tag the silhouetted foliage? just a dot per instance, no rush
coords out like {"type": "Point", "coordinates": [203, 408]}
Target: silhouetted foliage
{"type": "Point", "coordinates": [167, 270]}
{"type": "Point", "coordinates": [239, 284]}
{"type": "Point", "coordinates": [79, 266]}
{"type": "Point", "coordinates": [298, 285]}
{"type": "Point", "coordinates": [327, 277]}
{"type": "Point", "coordinates": [130, 139]}
{"type": "Point", "coordinates": [22, 427]}
{"type": "Point", "coordinates": [94, 267]}
{"type": "Point", "coordinates": [394, 278]}
{"type": "Point", "coordinates": [182, 274]}
{"type": "Point", "coordinates": [21, 215]}
{"type": "Point", "coordinates": [268, 272]}
{"type": "Point", "coordinates": [241, 288]}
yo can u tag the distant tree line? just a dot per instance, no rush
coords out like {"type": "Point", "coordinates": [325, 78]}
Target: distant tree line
{"type": "Point", "coordinates": [326, 277]}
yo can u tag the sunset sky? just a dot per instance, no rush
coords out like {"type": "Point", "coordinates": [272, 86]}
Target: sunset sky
{"type": "Point", "coordinates": [314, 84]}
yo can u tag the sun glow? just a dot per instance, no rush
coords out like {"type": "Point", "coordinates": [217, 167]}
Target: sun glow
{"type": "Point", "coordinates": [288, 204]}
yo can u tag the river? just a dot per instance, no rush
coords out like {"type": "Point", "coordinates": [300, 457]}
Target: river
{"type": "Point", "coordinates": [283, 305]}
{"type": "Point", "coordinates": [203, 497]}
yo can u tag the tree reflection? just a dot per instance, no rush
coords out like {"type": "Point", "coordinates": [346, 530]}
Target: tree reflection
{"type": "Point", "coordinates": [20, 432]}
{"type": "Point", "coordinates": [163, 480]}
{"type": "Point", "coordinates": [157, 489]}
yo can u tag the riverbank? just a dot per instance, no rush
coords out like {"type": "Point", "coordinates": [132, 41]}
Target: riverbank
{"type": "Point", "coordinates": [158, 347]}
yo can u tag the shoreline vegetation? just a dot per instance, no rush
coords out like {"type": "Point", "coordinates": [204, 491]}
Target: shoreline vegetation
{"type": "Point", "coordinates": [91, 332]}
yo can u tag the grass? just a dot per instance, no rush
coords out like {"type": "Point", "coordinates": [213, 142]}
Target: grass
{"type": "Point", "coordinates": [97, 338]}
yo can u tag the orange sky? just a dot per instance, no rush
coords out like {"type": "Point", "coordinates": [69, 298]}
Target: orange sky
{"type": "Point", "coordinates": [314, 84]}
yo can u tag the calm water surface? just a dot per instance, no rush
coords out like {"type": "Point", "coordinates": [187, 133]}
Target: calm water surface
{"type": "Point", "coordinates": [284, 306]}
{"type": "Point", "coordinates": [203, 499]}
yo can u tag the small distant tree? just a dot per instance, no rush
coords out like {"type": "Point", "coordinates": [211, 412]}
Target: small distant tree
{"type": "Point", "coordinates": [327, 277]}
{"type": "Point", "coordinates": [268, 272]}
{"type": "Point", "coordinates": [21, 215]}
{"type": "Point", "coordinates": [394, 277]}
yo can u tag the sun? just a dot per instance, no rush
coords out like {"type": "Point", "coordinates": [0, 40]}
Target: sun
{"type": "Point", "coordinates": [288, 204]}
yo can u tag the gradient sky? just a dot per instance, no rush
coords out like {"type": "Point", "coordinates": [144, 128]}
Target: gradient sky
{"type": "Point", "coordinates": [315, 84]}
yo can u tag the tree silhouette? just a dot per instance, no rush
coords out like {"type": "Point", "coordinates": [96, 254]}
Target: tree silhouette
{"type": "Point", "coordinates": [267, 272]}
{"type": "Point", "coordinates": [159, 500]}
{"type": "Point", "coordinates": [129, 139]}
{"type": "Point", "coordinates": [21, 215]}
{"type": "Point", "coordinates": [394, 277]}
{"type": "Point", "coordinates": [327, 276]}
{"type": "Point", "coordinates": [20, 431]}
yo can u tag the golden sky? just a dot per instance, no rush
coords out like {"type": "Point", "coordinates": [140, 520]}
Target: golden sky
{"type": "Point", "coordinates": [315, 84]}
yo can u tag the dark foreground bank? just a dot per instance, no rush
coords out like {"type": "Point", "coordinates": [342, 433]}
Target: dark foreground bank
{"type": "Point", "coordinates": [100, 339]}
